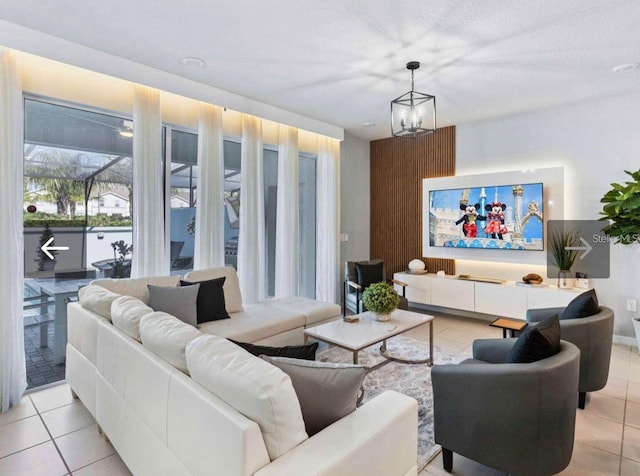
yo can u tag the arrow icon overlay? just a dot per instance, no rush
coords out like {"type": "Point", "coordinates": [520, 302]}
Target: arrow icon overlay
{"type": "Point", "coordinates": [586, 248]}
{"type": "Point", "coordinates": [46, 248]}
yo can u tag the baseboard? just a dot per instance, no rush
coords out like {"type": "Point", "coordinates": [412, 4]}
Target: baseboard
{"type": "Point", "coordinates": [625, 340]}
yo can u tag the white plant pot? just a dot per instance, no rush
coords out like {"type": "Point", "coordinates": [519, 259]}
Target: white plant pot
{"type": "Point", "coordinates": [636, 326]}
{"type": "Point", "coordinates": [381, 317]}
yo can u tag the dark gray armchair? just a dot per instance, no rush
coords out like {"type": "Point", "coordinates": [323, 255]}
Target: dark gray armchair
{"type": "Point", "coordinates": [516, 418]}
{"type": "Point", "coordinates": [593, 335]}
{"type": "Point", "coordinates": [353, 290]}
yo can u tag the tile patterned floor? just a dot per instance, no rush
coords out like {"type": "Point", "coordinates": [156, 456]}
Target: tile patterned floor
{"type": "Point", "coordinates": [51, 434]}
{"type": "Point", "coordinates": [41, 369]}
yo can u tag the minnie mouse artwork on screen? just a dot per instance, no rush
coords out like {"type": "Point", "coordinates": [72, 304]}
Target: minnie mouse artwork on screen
{"type": "Point", "coordinates": [512, 220]}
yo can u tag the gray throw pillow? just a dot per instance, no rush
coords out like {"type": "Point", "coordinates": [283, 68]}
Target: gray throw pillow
{"type": "Point", "coordinates": [179, 302]}
{"type": "Point", "coordinates": [327, 392]}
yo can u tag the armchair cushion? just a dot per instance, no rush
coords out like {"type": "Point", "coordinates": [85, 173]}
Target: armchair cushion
{"type": "Point", "coordinates": [537, 343]}
{"type": "Point", "coordinates": [584, 305]}
{"type": "Point", "coordinates": [369, 273]}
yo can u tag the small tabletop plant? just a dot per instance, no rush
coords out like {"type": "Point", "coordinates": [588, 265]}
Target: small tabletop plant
{"type": "Point", "coordinates": [381, 299]}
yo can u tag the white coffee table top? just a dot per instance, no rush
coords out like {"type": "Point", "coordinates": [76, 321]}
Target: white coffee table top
{"type": "Point", "coordinates": [367, 331]}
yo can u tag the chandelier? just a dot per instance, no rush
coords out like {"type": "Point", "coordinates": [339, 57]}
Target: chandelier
{"type": "Point", "coordinates": [413, 114]}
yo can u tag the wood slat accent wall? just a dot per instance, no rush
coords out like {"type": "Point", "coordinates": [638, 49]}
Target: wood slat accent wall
{"type": "Point", "coordinates": [398, 166]}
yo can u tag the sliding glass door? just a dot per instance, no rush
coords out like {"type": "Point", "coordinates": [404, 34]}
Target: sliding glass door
{"type": "Point", "coordinates": [77, 221]}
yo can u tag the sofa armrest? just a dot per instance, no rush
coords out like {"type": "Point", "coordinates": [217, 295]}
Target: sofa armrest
{"type": "Point", "coordinates": [379, 438]}
{"type": "Point", "coordinates": [494, 351]}
{"type": "Point", "coordinates": [537, 315]}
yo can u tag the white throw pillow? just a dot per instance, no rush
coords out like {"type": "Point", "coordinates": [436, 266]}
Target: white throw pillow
{"type": "Point", "coordinates": [97, 299]}
{"type": "Point", "coordinates": [231, 287]}
{"type": "Point", "coordinates": [260, 391]}
{"type": "Point", "coordinates": [137, 287]}
{"type": "Point", "coordinates": [167, 336]}
{"type": "Point", "coordinates": [126, 312]}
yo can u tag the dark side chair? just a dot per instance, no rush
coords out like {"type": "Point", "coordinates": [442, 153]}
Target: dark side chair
{"type": "Point", "coordinates": [516, 418]}
{"type": "Point", "coordinates": [594, 336]}
{"type": "Point", "coordinates": [355, 283]}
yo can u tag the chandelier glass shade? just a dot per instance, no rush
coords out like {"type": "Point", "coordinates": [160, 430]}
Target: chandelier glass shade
{"type": "Point", "coordinates": [413, 114]}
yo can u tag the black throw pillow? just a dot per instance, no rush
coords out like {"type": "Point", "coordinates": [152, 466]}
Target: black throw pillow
{"type": "Point", "coordinates": [304, 352]}
{"type": "Point", "coordinates": [537, 342]}
{"type": "Point", "coordinates": [583, 305]}
{"type": "Point", "coordinates": [210, 302]}
{"type": "Point", "coordinates": [369, 273]}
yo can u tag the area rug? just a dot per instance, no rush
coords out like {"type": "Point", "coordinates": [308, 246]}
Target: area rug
{"type": "Point", "coordinates": [411, 380]}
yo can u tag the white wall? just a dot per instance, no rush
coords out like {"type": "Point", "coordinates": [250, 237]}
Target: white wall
{"type": "Point", "coordinates": [355, 198]}
{"type": "Point", "coordinates": [595, 141]}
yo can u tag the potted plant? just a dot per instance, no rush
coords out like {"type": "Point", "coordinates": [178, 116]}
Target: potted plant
{"type": "Point", "coordinates": [622, 209]}
{"type": "Point", "coordinates": [381, 299]}
{"type": "Point", "coordinates": [44, 262]}
{"type": "Point", "coordinates": [119, 270]}
{"type": "Point", "coordinates": [561, 257]}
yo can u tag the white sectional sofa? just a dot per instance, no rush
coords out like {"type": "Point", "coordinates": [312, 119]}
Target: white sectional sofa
{"type": "Point", "coordinates": [162, 422]}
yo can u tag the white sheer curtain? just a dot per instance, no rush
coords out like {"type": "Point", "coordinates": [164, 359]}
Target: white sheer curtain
{"type": "Point", "coordinates": [13, 375]}
{"type": "Point", "coordinates": [251, 240]}
{"type": "Point", "coordinates": [328, 220]}
{"type": "Point", "coordinates": [209, 241]}
{"type": "Point", "coordinates": [149, 250]}
{"type": "Point", "coordinates": [287, 214]}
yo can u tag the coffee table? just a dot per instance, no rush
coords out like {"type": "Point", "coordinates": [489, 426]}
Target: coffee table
{"type": "Point", "coordinates": [356, 336]}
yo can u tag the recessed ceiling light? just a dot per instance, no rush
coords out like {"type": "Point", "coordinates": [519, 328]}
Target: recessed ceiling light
{"type": "Point", "coordinates": [368, 124]}
{"type": "Point", "coordinates": [625, 68]}
{"type": "Point", "coordinates": [192, 61]}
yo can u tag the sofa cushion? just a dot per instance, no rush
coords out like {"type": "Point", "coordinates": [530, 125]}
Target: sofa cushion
{"type": "Point", "coordinates": [537, 342]}
{"type": "Point", "coordinates": [126, 312]}
{"type": "Point", "coordinates": [258, 390]}
{"type": "Point", "coordinates": [256, 322]}
{"type": "Point", "coordinates": [180, 302]}
{"type": "Point", "coordinates": [232, 295]}
{"type": "Point", "coordinates": [136, 287]}
{"type": "Point", "coordinates": [327, 392]}
{"type": "Point", "coordinates": [314, 311]}
{"type": "Point", "coordinates": [210, 302]}
{"type": "Point", "coordinates": [167, 336]}
{"type": "Point", "coordinates": [97, 299]}
{"type": "Point", "coordinates": [583, 305]}
{"type": "Point", "coordinates": [305, 352]}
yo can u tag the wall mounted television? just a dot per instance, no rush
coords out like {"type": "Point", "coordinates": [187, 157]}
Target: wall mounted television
{"type": "Point", "coordinates": [504, 217]}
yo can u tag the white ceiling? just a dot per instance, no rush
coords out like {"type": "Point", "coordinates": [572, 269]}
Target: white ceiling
{"type": "Point", "coordinates": [342, 61]}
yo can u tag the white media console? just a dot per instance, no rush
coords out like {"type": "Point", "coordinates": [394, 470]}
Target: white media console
{"type": "Point", "coordinates": [503, 300]}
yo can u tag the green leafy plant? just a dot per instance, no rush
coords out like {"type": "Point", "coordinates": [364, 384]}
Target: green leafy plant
{"type": "Point", "coordinates": [122, 249]}
{"type": "Point", "coordinates": [380, 298]}
{"type": "Point", "coordinates": [559, 240]}
{"type": "Point", "coordinates": [41, 258]}
{"type": "Point", "coordinates": [622, 208]}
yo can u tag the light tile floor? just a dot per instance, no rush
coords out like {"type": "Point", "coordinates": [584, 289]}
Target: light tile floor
{"type": "Point", "coordinates": [51, 434]}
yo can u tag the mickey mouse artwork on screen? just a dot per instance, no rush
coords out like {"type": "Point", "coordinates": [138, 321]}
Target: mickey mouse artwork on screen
{"type": "Point", "coordinates": [505, 217]}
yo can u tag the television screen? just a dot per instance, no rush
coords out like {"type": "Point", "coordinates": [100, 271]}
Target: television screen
{"type": "Point", "coordinates": [509, 217]}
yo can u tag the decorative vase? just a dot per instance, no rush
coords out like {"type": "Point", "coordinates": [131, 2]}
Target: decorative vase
{"type": "Point", "coordinates": [382, 317]}
{"type": "Point", "coordinates": [564, 279]}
